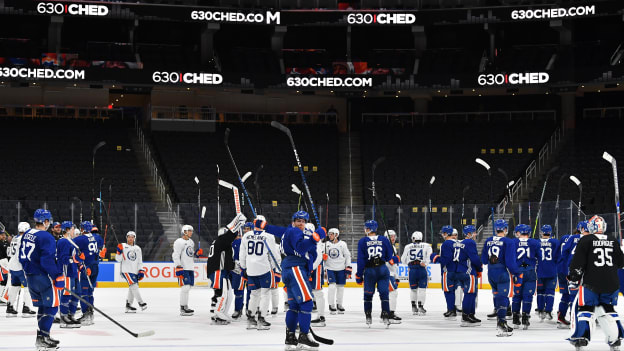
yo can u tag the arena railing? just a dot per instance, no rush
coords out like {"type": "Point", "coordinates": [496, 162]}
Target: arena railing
{"type": "Point", "coordinates": [487, 116]}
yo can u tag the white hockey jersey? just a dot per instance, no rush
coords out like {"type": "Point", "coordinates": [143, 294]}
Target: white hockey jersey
{"type": "Point", "coordinates": [131, 259]}
{"type": "Point", "coordinates": [393, 268]}
{"type": "Point", "coordinates": [338, 256]}
{"type": "Point", "coordinates": [254, 255]}
{"type": "Point", "coordinates": [416, 252]}
{"type": "Point", "coordinates": [14, 263]}
{"type": "Point", "coordinates": [184, 254]}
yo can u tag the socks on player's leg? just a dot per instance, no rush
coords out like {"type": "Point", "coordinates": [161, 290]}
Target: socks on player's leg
{"type": "Point", "coordinates": [130, 297]}
{"type": "Point", "coordinates": [368, 301]}
{"type": "Point", "coordinates": [184, 295]}
{"type": "Point", "coordinates": [305, 316]}
{"type": "Point", "coordinates": [422, 295]}
{"type": "Point", "coordinates": [450, 300]}
{"type": "Point", "coordinates": [413, 295]}
{"type": "Point", "coordinates": [319, 296]}
{"type": "Point", "coordinates": [254, 301]}
{"type": "Point", "coordinates": [292, 316]}
{"type": "Point", "coordinates": [136, 294]}
{"type": "Point", "coordinates": [468, 303]}
{"type": "Point", "coordinates": [339, 294]}
{"type": "Point", "coordinates": [515, 303]}
{"type": "Point", "coordinates": [527, 301]}
{"type": "Point", "coordinates": [393, 295]}
{"type": "Point", "coordinates": [275, 298]}
{"type": "Point", "coordinates": [13, 292]}
{"type": "Point", "coordinates": [501, 303]}
{"type": "Point", "coordinates": [45, 318]}
{"type": "Point", "coordinates": [265, 300]}
{"type": "Point", "coordinates": [332, 294]}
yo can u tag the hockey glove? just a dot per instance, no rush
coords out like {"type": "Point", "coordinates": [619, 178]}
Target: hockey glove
{"type": "Point", "coordinates": [120, 249]}
{"type": "Point", "coordinates": [319, 234]}
{"type": "Point", "coordinates": [479, 274]}
{"type": "Point", "coordinates": [517, 280]}
{"type": "Point", "coordinates": [236, 223]}
{"type": "Point", "coordinates": [88, 271]}
{"type": "Point", "coordinates": [394, 260]}
{"type": "Point", "coordinates": [81, 267]}
{"type": "Point", "coordinates": [81, 256]}
{"type": "Point", "coordinates": [575, 275]}
{"type": "Point", "coordinates": [141, 274]}
{"type": "Point", "coordinates": [493, 259]}
{"type": "Point", "coordinates": [4, 271]}
{"type": "Point", "coordinates": [260, 223]}
{"type": "Point", "coordinates": [573, 286]}
{"type": "Point", "coordinates": [349, 272]}
{"type": "Point", "coordinates": [199, 252]}
{"type": "Point", "coordinates": [359, 280]}
{"type": "Point", "coordinates": [435, 259]}
{"type": "Point", "coordinates": [325, 257]}
{"type": "Point", "coordinates": [59, 282]}
{"type": "Point", "coordinates": [179, 271]}
{"type": "Point", "coordinates": [103, 253]}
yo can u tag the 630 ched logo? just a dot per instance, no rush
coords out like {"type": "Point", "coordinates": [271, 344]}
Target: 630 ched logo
{"type": "Point", "coordinates": [55, 8]}
{"type": "Point", "coordinates": [187, 78]}
{"type": "Point", "coordinates": [513, 78]}
{"type": "Point", "coordinates": [381, 18]}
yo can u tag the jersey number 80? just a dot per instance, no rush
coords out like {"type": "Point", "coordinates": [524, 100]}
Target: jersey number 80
{"type": "Point", "coordinates": [256, 248]}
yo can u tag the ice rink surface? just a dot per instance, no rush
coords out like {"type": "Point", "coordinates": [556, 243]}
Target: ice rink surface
{"type": "Point", "coordinates": [174, 332]}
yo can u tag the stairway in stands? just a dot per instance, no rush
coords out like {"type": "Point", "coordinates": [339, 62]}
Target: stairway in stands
{"type": "Point", "coordinates": [351, 203]}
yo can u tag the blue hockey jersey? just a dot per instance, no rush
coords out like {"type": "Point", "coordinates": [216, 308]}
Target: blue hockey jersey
{"type": "Point", "coordinates": [504, 249]}
{"type": "Point", "coordinates": [236, 248]}
{"type": "Point", "coordinates": [90, 245]}
{"type": "Point", "coordinates": [468, 257]}
{"type": "Point", "coordinates": [527, 250]}
{"type": "Point", "coordinates": [37, 253]}
{"type": "Point", "coordinates": [561, 260]}
{"type": "Point", "coordinates": [371, 248]}
{"type": "Point", "coordinates": [66, 258]}
{"type": "Point", "coordinates": [547, 258]}
{"type": "Point", "coordinates": [299, 248]}
{"type": "Point", "coordinates": [567, 251]}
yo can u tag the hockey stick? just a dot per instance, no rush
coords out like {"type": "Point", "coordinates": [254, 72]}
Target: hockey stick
{"type": "Point", "coordinates": [78, 199]}
{"type": "Point", "coordinates": [557, 204]}
{"type": "Point", "coordinates": [136, 335]}
{"type": "Point", "coordinates": [237, 205]}
{"type": "Point", "coordinates": [430, 206]}
{"type": "Point", "coordinates": [401, 210]}
{"type": "Point", "coordinates": [218, 201]}
{"type": "Point", "coordinates": [611, 160]}
{"type": "Point", "coordinates": [257, 185]}
{"type": "Point", "coordinates": [296, 190]}
{"type": "Point", "coordinates": [327, 210]}
{"type": "Point", "coordinates": [112, 226]}
{"type": "Point", "coordinates": [461, 220]}
{"type": "Point", "coordinates": [247, 175]}
{"type": "Point", "coordinates": [2, 228]}
{"type": "Point", "coordinates": [321, 339]}
{"type": "Point", "coordinates": [225, 140]}
{"type": "Point", "coordinates": [375, 164]}
{"type": "Point", "coordinates": [576, 181]}
{"type": "Point", "coordinates": [285, 129]}
{"type": "Point", "coordinates": [198, 206]}
{"type": "Point", "coordinates": [110, 199]}
{"type": "Point", "coordinates": [539, 208]}
{"type": "Point", "coordinates": [508, 185]}
{"type": "Point", "coordinates": [79, 252]}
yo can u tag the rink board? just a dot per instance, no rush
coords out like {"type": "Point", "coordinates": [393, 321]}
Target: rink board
{"type": "Point", "coordinates": [162, 275]}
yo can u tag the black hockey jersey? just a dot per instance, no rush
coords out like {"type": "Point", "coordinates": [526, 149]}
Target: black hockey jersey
{"type": "Point", "coordinates": [4, 248]}
{"type": "Point", "coordinates": [598, 257]}
{"type": "Point", "coordinates": [221, 255]}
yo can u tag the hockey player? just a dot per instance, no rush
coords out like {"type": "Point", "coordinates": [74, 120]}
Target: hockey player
{"type": "Point", "coordinates": [255, 262]}
{"type": "Point", "coordinates": [67, 259]}
{"type": "Point", "coordinates": [394, 277]}
{"type": "Point", "coordinates": [131, 258]}
{"type": "Point", "coordinates": [468, 272]}
{"type": "Point", "coordinates": [183, 259]}
{"type": "Point", "coordinates": [527, 250]}
{"type": "Point", "coordinates": [546, 273]}
{"type": "Point", "coordinates": [416, 255]}
{"type": "Point", "coordinates": [448, 267]}
{"type": "Point", "coordinates": [568, 252]}
{"type": "Point", "coordinates": [90, 245]}
{"type": "Point", "coordinates": [37, 256]}
{"type": "Point", "coordinates": [499, 253]}
{"type": "Point", "coordinates": [593, 271]}
{"type": "Point", "coordinates": [338, 267]}
{"type": "Point", "coordinates": [56, 230]}
{"type": "Point", "coordinates": [220, 264]}
{"type": "Point", "coordinates": [4, 268]}
{"type": "Point", "coordinates": [18, 279]}
{"type": "Point", "coordinates": [239, 283]}
{"type": "Point", "coordinates": [300, 250]}
{"type": "Point", "coordinates": [317, 279]}
{"type": "Point", "coordinates": [562, 272]}
{"type": "Point", "coordinates": [373, 252]}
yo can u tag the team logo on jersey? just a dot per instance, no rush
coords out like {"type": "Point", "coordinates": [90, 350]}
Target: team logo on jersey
{"type": "Point", "coordinates": [334, 253]}
{"type": "Point", "coordinates": [189, 251]}
{"type": "Point", "coordinates": [132, 255]}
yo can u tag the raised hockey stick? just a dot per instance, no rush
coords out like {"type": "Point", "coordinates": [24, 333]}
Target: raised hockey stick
{"type": "Point", "coordinates": [285, 129]}
{"type": "Point", "coordinates": [136, 335]}
{"type": "Point", "coordinates": [257, 185]}
{"type": "Point", "coordinates": [297, 191]}
{"type": "Point", "coordinates": [225, 140]}
{"type": "Point", "coordinates": [327, 211]}
{"type": "Point", "coordinates": [613, 163]}
{"type": "Point", "coordinates": [112, 226]}
{"type": "Point", "coordinates": [375, 164]}
{"type": "Point", "coordinates": [539, 208]}
{"type": "Point", "coordinates": [237, 205]}
{"type": "Point", "coordinates": [321, 339]}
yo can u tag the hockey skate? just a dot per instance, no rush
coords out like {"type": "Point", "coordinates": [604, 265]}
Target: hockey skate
{"type": "Point", "coordinates": [548, 315]}
{"type": "Point", "coordinates": [492, 316]}
{"type": "Point", "coordinates": [369, 318]}
{"type": "Point", "coordinates": [291, 341]}
{"type": "Point", "coordinates": [516, 320]}
{"type": "Point", "coordinates": [562, 323]}
{"type": "Point", "coordinates": [306, 343]}
{"type": "Point", "coordinates": [220, 321]}
{"type": "Point", "coordinates": [143, 306]}
{"type": "Point", "coordinates": [263, 324]}
{"type": "Point", "coordinates": [615, 346]}
{"type": "Point", "coordinates": [185, 311]}
{"type": "Point", "coordinates": [450, 315]}
{"type": "Point", "coordinates": [27, 312]}
{"type": "Point", "coordinates": [67, 322]}
{"type": "Point", "coordinates": [319, 322]}
{"type": "Point", "coordinates": [385, 318]}
{"type": "Point", "coordinates": [77, 322]}
{"type": "Point", "coordinates": [332, 309]}
{"type": "Point", "coordinates": [525, 320]}
{"type": "Point", "coordinates": [579, 344]}
{"type": "Point", "coordinates": [414, 308]}
{"type": "Point", "coordinates": [237, 314]}
{"type": "Point", "coordinates": [468, 320]}
{"type": "Point", "coordinates": [252, 323]}
{"type": "Point", "coordinates": [509, 314]}
{"type": "Point", "coordinates": [10, 311]}
{"type": "Point", "coordinates": [421, 309]}
{"type": "Point", "coordinates": [86, 318]}
{"type": "Point", "coordinates": [274, 311]}
{"type": "Point", "coordinates": [541, 315]}
{"type": "Point", "coordinates": [129, 308]}
{"type": "Point", "coordinates": [393, 318]}
{"type": "Point", "coordinates": [285, 306]}
{"type": "Point", "coordinates": [341, 309]}
{"type": "Point", "coordinates": [503, 329]}
{"type": "Point", "coordinates": [45, 343]}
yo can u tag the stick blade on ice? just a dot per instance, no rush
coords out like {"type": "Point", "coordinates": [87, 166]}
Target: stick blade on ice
{"type": "Point", "coordinates": [145, 334]}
